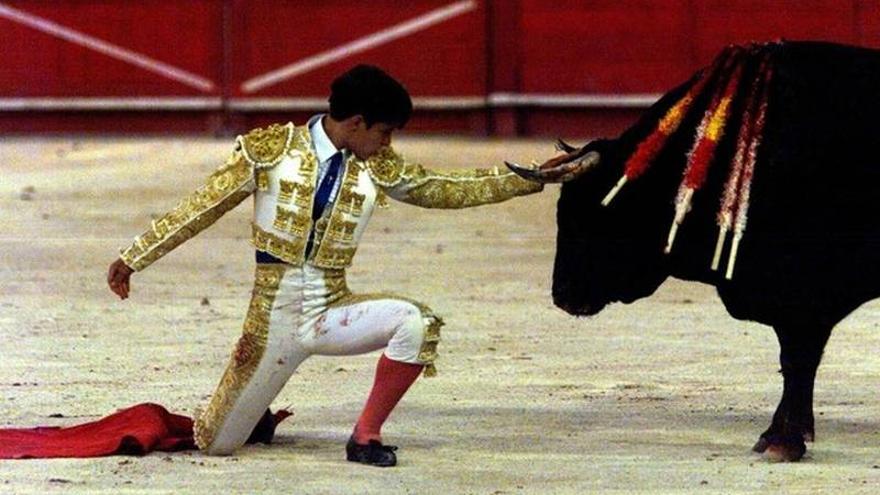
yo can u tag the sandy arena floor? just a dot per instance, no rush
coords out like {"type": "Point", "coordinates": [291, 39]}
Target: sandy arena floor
{"type": "Point", "coordinates": [663, 396]}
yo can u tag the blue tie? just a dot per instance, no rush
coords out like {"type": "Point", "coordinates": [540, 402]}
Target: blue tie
{"type": "Point", "coordinates": [326, 186]}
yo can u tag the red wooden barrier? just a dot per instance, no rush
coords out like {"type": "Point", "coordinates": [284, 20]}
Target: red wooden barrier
{"type": "Point", "coordinates": [286, 60]}
{"type": "Point", "coordinates": [507, 67]}
{"type": "Point", "coordinates": [104, 65]}
{"type": "Point", "coordinates": [105, 48]}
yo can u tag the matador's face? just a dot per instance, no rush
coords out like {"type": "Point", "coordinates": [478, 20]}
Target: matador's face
{"type": "Point", "coordinates": [365, 141]}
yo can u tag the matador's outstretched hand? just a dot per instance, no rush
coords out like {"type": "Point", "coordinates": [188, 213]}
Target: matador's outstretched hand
{"type": "Point", "coordinates": [119, 278]}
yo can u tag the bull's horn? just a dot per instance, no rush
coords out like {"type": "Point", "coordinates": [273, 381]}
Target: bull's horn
{"type": "Point", "coordinates": [563, 172]}
{"type": "Point", "coordinates": [563, 146]}
{"type": "Point", "coordinates": [524, 172]}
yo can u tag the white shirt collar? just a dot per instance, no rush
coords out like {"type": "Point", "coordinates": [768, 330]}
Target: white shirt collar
{"type": "Point", "coordinates": [324, 148]}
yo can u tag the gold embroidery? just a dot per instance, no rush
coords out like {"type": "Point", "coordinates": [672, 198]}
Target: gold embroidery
{"type": "Point", "coordinates": [351, 202]}
{"type": "Point", "coordinates": [351, 179]}
{"type": "Point", "coordinates": [334, 257]}
{"type": "Point", "coordinates": [301, 225]}
{"type": "Point", "coordinates": [245, 358]}
{"type": "Point", "coordinates": [414, 184]}
{"type": "Point", "coordinates": [335, 282]}
{"type": "Point", "coordinates": [303, 197]}
{"type": "Point", "coordinates": [290, 251]}
{"type": "Point", "coordinates": [301, 140]}
{"type": "Point", "coordinates": [462, 189]}
{"type": "Point", "coordinates": [336, 286]}
{"type": "Point", "coordinates": [321, 226]}
{"type": "Point", "coordinates": [309, 164]}
{"type": "Point", "coordinates": [301, 194]}
{"type": "Point", "coordinates": [304, 190]}
{"type": "Point", "coordinates": [342, 231]}
{"type": "Point", "coordinates": [225, 189]}
{"type": "Point", "coordinates": [381, 199]}
{"type": "Point", "coordinates": [283, 218]}
{"type": "Point", "coordinates": [428, 352]}
{"type": "Point", "coordinates": [286, 190]}
{"type": "Point", "coordinates": [262, 180]}
{"type": "Point", "coordinates": [385, 167]}
{"type": "Point", "coordinates": [267, 147]}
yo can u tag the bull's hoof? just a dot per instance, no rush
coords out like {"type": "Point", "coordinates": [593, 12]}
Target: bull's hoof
{"type": "Point", "coordinates": [780, 449]}
{"type": "Point", "coordinates": [785, 452]}
{"type": "Point", "coordinates": [761, 445]}
{"type": "Point", "coordinates": [764, 443]}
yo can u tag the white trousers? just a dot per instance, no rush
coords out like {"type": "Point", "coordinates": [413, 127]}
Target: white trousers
{"type": "Point", "coordinates": [296, 312]}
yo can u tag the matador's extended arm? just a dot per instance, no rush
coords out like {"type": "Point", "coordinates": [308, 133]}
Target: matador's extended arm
{"type": "Point", "coordinates": [412, 183]}
{"type": "Point", "coordinates": [225, 189]}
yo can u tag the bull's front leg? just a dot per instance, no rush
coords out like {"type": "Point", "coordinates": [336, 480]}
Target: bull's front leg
{"type": "Point", "coordinates": [801, 349]}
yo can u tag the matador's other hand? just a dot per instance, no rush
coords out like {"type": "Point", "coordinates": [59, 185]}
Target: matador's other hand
{"type": "Point", "coordinates": [119, 278]}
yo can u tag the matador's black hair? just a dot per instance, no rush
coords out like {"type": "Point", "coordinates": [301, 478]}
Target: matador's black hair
{"type": "Point", "coordinates": [368, 91]}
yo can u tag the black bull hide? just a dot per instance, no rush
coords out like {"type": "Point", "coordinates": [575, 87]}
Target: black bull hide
{"type": "Point", "coordinates": [810, 253]}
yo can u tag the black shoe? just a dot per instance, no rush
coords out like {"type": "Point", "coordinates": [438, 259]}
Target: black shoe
{"type": "Point", "coordinates": [373, 453]}
{"type": "Point", "coordinates": [264, 431]}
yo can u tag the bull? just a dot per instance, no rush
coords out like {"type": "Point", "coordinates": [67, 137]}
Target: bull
{"type": "Point", "coordinates": [760, 176]}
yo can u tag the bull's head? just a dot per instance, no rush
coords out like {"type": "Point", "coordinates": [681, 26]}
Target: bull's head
{"type": "Point", "coordinates": [603, 254]}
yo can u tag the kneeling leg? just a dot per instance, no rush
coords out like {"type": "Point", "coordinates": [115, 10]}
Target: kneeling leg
{"type": "Point", "coordinates": [263, 361]}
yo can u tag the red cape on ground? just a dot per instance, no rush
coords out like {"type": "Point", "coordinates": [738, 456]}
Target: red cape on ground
{"type": "Point", "coordinates": [136, 430]}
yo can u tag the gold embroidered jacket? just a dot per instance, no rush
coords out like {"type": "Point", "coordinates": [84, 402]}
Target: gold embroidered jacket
{"type": "Point", "coordinates": [278, 166]}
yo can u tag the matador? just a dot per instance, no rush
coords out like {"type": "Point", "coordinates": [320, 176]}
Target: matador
{"type": "Point", "coordinates": [314, 189]}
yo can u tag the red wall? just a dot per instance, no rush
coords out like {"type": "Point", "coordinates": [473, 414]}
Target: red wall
{"type": "Point", "coordinates": [473, 66]}
{"type": "Point", "coordinates": [445, 59]}
{"type": "Point", "coordinates": [184, 34]}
